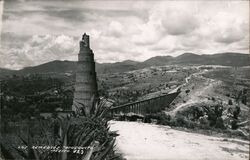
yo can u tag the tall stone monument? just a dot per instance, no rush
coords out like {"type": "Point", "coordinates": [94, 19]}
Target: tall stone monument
{"type": "Point", "coordinates": [85, 84]}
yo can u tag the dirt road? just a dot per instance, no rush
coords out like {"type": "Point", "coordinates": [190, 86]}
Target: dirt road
{"type": "Point", "coordinates": [199, 94]}
{"type": "Point", "coordinates": [140, 141]}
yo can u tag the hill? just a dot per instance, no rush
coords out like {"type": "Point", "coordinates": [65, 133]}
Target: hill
{"type": "Point", "coordinates": [224, 59]}
{"type": "Point", "coordinates": [51, 67]}
{"type": "Point", "coordinates": [5, 72]}
{"type": "Point", "coordinates": [124, 66]}
{"type": "Point", "coordinates": [156, 61]}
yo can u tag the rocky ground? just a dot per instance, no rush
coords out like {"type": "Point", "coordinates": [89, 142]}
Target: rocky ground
{"type": "Point", "coordinates": [140, 141]}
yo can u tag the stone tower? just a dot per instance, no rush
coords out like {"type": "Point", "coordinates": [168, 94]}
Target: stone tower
{"type": "Point", "coordinates": [85, 84]}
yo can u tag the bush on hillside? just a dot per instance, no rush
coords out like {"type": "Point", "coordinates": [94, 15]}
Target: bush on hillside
{"type": "Point", "coordinates": [230, 102]}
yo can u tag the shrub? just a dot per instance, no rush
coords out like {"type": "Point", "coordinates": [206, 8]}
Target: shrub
{"type": "Point", "coordinates": [180, 121]}
{"type": "Point", "coordinates": [219, 123]}
{"type": "Point", "coordinates": [164, 119]}
{"type": "Point", "coordinates": [190, 124]}
{"type": "Point", "coordinates": [214, 112]}
{"type": "Point", "coordinates": [236, 112]}
{"type": "Point", "coordinates": [203, 122]}
{"type": "Point", "coordinates": [230, 102]}
{"type": "Point", "coordinates": [234, 124]}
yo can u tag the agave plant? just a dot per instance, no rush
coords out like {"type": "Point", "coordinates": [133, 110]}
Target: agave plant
{"type": "Point", "coordinates": [89, 131]}
{"type": "Point", "coordinates": [95, 108]}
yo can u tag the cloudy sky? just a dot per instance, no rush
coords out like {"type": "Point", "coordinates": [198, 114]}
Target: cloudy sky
{"type": "Point", "coordinates": [35, 32]}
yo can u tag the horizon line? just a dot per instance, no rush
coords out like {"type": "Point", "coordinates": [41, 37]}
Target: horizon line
{"type": "Point", "coordinates": [127, 59]}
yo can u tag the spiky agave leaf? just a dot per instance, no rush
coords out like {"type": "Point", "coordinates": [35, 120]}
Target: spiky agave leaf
{"type": "Point", "coordinates": [5, 153]}
{"type": "Point", "coordinates": [87, 139]}
{"type": "Point", "coordinates": [105, 152]}
{"type": "Point", "coordinates": [32, 153]}
{"type": "Point", "coordinates": [64, 155]}
{"type": "Point", "coordinates": [92, 105]}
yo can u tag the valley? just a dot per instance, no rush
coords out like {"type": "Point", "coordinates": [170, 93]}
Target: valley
{"type": "Point", "coordinates": [203, 89]}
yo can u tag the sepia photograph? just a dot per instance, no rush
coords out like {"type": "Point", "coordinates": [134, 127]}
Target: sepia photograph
{"type": "Point", "coordinates": [124, 80]}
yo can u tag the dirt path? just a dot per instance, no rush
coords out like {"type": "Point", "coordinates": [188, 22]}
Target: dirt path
{"type": "Point", "coordinates": [140, 141]}
{"type": "Point", "coordinates": [199, 94]}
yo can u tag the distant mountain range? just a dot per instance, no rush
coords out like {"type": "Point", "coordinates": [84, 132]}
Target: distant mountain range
{"type": "Point", "coordinates": [224, 59]}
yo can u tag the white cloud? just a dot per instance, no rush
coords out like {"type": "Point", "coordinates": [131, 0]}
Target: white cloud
{"type": "Point", "coordinates": [179, 18]}
{"type": "Point", "coordinates": [115, 29]}
{"type": "Point", "coordinates": [178, 23]}
{"type": "Point", "coordinates": [199, 27]}
{"type": "Point", "coordinates": [39, 49]}
{"type": "Point", "coordinates": [1, 15]}
{"type": "Point", "coordinates": [121, 30]}
{"type": "Point", "coordinates": [229, 35]}
{"type": "Point", "coordinates": [149, 32]}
